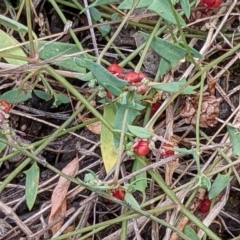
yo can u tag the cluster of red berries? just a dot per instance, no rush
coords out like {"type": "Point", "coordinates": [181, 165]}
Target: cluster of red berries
{"type": "Point", "coordinates": [5, 106]}
{"type": "Point", "coordinates": [210, 4]}
{"type": "Point", "coordinates": [132, 77]}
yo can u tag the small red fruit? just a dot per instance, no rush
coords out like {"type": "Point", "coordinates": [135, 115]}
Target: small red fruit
{"type": "Point", "coordinates": [204, 205]}
{"type": "Point", "coordinates": [167, 152]}
{"type": "Point", "coordinates": [209, 4]}
{"type": "Point", "coordinates": [155, 107]}
{"type": "Point", "coordinates": [118, 193]}
{"type": "Point", "coordinates": [6, 106]}
{"type": "Point", "coordinates": [142, 89]}
{"type": "Point", "coordinates": [132, 77]}
{"type": "Point", "coordinates": [115, 69]}
{"type": "Point", "coordinates": [108, 93]}
{"type": "Point", "coordinates": [141, 147]}
{"type": "Point", "coordinates": [141, 75]}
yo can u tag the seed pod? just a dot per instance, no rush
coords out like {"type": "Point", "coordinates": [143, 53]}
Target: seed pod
{"type": "Point", "coordinates": [209, 110]}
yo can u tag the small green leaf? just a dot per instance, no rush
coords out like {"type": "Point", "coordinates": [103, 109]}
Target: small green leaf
{"type": "Point", "coordinates": [127, 4]}
{"type": "Point", "coordinates": [15, 25]}
{"type": "Point", "coordinates": [218, 185]}
{"type": "Point", "coordinates": [86, 77]}
{"type": "Point", "coordinates": [234, 136]}
{"type": "Point", "coordinates": [8, 41]}
{"type": "Point", "coordinates": [118, 123]}
{"type": "Point", "coordinates": [140, 181]}
{"type": "Point", "coordinates": [95, 14]}
{"type": "Point", "coordinates": [98, 3]}
{"type": "Point", "coordinates": [189, 232]}
{"type": "Point", "coordinates": [131, 200]}
{"type": "Point", "coordinates": [16, 96]}
{"type": "Point", "coordinates": [104, 29]}
{"type": "Point", "coordinates": [60, 99]}
{"type": "Point", "coordinates": [169, 51]}
{"type": "Point", "coordinates": [57, 49]}
{"type": "Point", "coordinates": [186, 7]}
{"type": "Point", "coordinates": [139, 131]}
{"type": "Point", "coordinates": [108, 149]}
{"type": "Point", "coordinates": [163, 9]}
{"type": "Point", "coordinates": [43, 95]}
{"type": "Point", "coordinates": [164, 66]}
{"type": "Point", "coordinates": [193, 51]}
{"type": "Point", "coordinates": [2, 145]}
{"type": "Point", "coordinates": [113, 90]}
{"type": "Point", "coordinates": [31, 186]}
{"type": "Point", "coordinates": [202, 182]}
{"type": "Point", "coordinates": [173, 87]}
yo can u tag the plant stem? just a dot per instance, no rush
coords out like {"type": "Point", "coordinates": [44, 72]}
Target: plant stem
{"type": "Point", "coordinates": [157, 177]}
{"type": "Point", "coordinates": [135, 2]}
{"type": "Point", "coordinates": [147, 45]}
{"type": "Point", "coordinates": [121, 148]}
{"type": "Point", "coordinates": [78, 95]}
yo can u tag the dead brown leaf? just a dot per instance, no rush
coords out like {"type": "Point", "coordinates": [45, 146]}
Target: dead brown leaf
{"type": "Point", "coordinates": [93, 127]}
{"type": "Point", "coordinates": [59, 194]}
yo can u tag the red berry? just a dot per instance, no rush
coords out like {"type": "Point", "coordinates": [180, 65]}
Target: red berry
{"type": "Point", "coordinates": [155, 107]}
{"type": "Point", "coordinates": [142, 88]}
{"type": "Point", "coordinates": [6, 106]}
{"type": "Point", "coordinates": [141, 75]}
{"type": "Point", "coordinates": [132, 77]}
{"type": "Point", "coordinates": [115, 69]}
{"type": "Point", "coordinates": [108, 93]}
{"type": "Point", "coordinates": [204, 205]}
{"type": "Point", "coordinates": [167, 152]}
{"type": "Point", "coordinates": [118, 193]}
{"type": "Point", "coordinates": [209, 4]}
{"type": "Point", "coordinates": [141, 147]}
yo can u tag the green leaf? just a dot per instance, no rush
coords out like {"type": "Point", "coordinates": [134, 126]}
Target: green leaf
{"type": "Point", "coordinates": [189, 232]}
{"type": "Point", "coordinates": [173, 87]}
{"type": "Point", "coordinates": [7, 41]}
{"type": "Point", "coordinates": [15, 25]}
{"type": "Point", "coordinates": [139, 131]}
{"type": "Point", "coordinates": [98, 3]}
{"type": "Point", "coordinates": [218, 185]}
{"type": "Point", "coordinates": [43, 95]}
{"type": "Point", "coordinates": [127, 4]}
{"type": "Point", "coordinates": [186, 7]}
{"type": "Point", "coordinates": [86, 77]}
{"type": "Point", "coordinates": [95, 14]}
{"type": "Point", "coordinates": [234, 136]}
{"type": "Point", "coordinates": [16, 96]}
{"type": "Point", "coordinates": [140, 181]}
{"type": "Point", "coordinates": [2, 145]}
{"type": "Point", "coordinates": [108, 149]}
{"type": "Point", "coordinates": [31, 186]}
{"type": "Point", "coordinates": [118, 123]}
{"type": "Point", "coordinates": [193, 51]}
{"type": "Point", "coordinates": [202, 182]}
{"type": "Point", "coordinates": [105, 78]}
{"type": "Point", "coordinates": [164, 66]}
{"type": "Point", "coordinates": [57, 49]}
{"type": "Point", "coordinates": [163, 9]}
{"type": "Point", "coordinates": [104, 29]}
{"type": "Point", "coordinates": [169, 51]}
{"type": "Point", "coordinates": [131, 200]}
{"type": "Point", "coordinates": [60, 99]}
